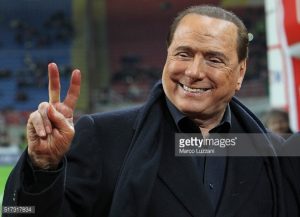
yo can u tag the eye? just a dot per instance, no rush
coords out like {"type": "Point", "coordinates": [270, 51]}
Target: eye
{"type": "Point", "coordinates": [183, 54]}
{"type": "Point", "coordinates": [215, 60]}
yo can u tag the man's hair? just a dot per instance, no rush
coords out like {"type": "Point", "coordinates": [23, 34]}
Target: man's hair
{"type": "Point", "coordinates": [219, 13]}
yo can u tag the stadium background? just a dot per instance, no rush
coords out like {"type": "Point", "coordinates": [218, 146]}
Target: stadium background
{"type": "Point", "coordinates": [119, 47]}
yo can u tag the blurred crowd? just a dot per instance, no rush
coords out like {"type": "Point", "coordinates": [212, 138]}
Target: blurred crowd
{"type": "Point", "coordinates": [57, 28]}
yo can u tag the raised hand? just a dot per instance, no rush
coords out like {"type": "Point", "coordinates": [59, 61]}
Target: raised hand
{"type": "Point", "coordinates": [50, 129]}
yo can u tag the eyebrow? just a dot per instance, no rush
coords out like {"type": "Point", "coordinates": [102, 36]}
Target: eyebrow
{"type": "Point", "coordinates": [185, 48]}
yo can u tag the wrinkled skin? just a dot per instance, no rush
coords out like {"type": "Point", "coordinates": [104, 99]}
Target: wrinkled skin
{"type": "Point", "coordinates": [50, 129]}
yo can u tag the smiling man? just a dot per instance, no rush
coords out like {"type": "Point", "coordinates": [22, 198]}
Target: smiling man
{"type": "Point", "coordinates": [122, 163]}
{"type": "Point", "coordinates": [203, 70]}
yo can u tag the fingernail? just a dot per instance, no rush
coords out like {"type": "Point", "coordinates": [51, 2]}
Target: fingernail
{"type": "Point", "coordinates": [48, 130]}
{"type": "Point", "coordinates": [76, 71]}
{"type": "Point", "coordinates": [50, 108]}
{"type": "Point", "coordinates": [42, 133]}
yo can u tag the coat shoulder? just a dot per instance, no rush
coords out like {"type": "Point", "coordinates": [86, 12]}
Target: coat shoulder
{"type": "Point", "coordinates": [106, 131]}
{"type": "Point", "coordinates": [108, 120]}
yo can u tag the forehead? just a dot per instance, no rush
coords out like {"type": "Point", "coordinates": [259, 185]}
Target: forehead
{"type": "Point", "coordinates": [206, 29]}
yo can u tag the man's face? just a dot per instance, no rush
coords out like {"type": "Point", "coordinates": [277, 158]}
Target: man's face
{"type": "Point", "coordinates": [202, 72]}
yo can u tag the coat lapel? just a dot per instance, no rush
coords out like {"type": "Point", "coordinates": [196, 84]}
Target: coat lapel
{"type": "Point", "coordinates": [181, 176]}
{"type": "Point", "coordinates": [242, 173]}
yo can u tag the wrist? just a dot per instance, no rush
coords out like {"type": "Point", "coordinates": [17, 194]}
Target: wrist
{"type": "Point", "coordinates": [43, 163]}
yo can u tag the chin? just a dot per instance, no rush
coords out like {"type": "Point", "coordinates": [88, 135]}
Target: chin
{"type": "Point", "coordinates": [189, 108]}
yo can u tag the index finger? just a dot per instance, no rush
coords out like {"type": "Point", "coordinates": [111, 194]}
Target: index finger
{"type": "Point", "coordinates": [74, 90]}
{"type": "Point", "coordinates": [54, 83]}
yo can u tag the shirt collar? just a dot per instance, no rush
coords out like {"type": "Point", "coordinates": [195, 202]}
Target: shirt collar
{"type": "Point", "coordinates": [175, 113]}
{"type": "Point", "coordinates": [179, 118]}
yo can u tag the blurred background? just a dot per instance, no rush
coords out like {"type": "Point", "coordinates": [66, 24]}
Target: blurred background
{"type": "Point", "coordinates": [120, 48]}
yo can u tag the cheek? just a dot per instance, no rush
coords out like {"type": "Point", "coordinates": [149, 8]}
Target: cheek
{"type": "Point", "coordinates": [229, 79]}
{"type": "Point", "coordinates": [220, 78]}
{"type": "Point", "coordinates": [174, 68]}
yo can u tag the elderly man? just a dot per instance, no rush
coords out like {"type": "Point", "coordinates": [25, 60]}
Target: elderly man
{"type": "Point", "coordinates": [122, 163]}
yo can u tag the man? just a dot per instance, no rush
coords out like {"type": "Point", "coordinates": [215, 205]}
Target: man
{"type": "Point", "coordinates": [123, 164]}
{"type": "Point", "coordinates": [278, 122]}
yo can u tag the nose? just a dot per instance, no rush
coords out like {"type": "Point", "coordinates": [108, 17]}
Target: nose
{"type": "Point", "coordinates": [196, 69]}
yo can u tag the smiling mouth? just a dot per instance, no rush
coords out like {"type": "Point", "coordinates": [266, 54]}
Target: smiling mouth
{"type": "Point", "coordinates": [194, 90]}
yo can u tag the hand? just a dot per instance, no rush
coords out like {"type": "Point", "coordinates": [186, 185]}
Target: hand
{"type": "Point", "coordinates": [50, 129]}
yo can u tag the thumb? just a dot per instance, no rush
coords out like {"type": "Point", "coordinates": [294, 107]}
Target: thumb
{"type": "Point", "coordinates": [57, 119]}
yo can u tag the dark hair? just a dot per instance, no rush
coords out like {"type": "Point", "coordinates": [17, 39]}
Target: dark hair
{"type": "Point", "coordinates": [276, 113]}
{"type": "Point", "coordinates": [219, 13]}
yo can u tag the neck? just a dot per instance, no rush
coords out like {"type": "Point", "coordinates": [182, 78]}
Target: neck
{"type": "Point", "coordinates": [206, 124]}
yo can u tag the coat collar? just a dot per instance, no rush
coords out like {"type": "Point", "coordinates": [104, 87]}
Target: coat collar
{"type": "Point", "coordinates": [180, 175]}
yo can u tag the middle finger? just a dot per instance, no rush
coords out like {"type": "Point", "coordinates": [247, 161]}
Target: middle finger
{"type": "Point", "coordinates": [42, 109]}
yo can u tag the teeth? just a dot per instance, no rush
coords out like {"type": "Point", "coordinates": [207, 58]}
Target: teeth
{"type": "Point", "coordinates": [194, 90]}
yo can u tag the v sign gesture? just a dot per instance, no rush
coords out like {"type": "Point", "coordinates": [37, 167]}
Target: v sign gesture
{"type": "Point", "coordinates": [50, 129]}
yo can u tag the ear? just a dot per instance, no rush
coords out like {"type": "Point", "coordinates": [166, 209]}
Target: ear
{"type": "Point", "coordinates": [241, 74]}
